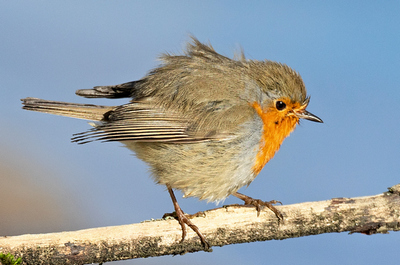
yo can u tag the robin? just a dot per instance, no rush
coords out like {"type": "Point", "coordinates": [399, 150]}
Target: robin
{"type": "Point", "coordinates": [204, 123]}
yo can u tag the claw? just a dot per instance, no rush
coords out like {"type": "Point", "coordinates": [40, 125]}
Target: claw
{"type": "Point", "coordinates": [259, 204]}
{"type": "Point", "coordinates": [183, 219]}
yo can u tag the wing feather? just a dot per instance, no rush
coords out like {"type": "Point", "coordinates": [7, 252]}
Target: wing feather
{"type": "Point", "coordinates": [135, 122]}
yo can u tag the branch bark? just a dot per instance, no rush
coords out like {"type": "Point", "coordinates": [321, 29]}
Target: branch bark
{"type": "Point", "coordinates": [230, 224]}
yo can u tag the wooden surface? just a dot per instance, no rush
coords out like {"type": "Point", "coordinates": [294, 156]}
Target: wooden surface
{"type": "Point", "coordinates": [222, 226]}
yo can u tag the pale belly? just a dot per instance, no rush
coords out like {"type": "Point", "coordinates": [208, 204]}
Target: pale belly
{"type": "Point", "coordinates": [209, 170]}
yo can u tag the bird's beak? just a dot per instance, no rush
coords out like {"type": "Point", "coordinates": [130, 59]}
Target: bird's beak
{"type": "Point", "coordinates": [303, 114]}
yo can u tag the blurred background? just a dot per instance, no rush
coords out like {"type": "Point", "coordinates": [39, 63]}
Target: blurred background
{"type": "Point", "coordinates": [348, 53]}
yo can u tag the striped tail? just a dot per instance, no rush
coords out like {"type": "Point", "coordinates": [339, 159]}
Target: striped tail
{"type": "Point", "coordinates": [79, 111]}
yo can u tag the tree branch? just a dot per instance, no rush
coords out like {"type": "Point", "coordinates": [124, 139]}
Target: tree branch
{"type": "Point", "coordinates": [222, 226]}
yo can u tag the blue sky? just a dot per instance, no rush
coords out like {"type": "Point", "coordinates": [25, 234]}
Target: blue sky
{"type": "Point", "coordinates": [348, 53]}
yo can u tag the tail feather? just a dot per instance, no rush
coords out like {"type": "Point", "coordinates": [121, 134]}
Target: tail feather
{"type": "Point", "coordinates": [79, 111]}
{"type": "Point", "coordinates": [124, 90]}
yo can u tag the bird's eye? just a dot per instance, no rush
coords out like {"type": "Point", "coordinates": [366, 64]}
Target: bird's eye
{"type": "Point", "coordinates": [280, 105]}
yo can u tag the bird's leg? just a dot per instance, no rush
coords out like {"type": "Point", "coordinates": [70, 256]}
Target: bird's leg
{"type": "Point", "coordinates": [183, 219]}
{"type": "Point", "coordinates": [259, 204]}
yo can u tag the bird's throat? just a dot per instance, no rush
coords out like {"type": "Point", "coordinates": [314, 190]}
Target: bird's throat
{"type": "Point", "coordinates": [276, 128]}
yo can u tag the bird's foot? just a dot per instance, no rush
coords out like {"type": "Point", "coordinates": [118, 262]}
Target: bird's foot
{"type": "Point", "coordinates": [259, 204]}
{"type": "Point", "coordinates": [183, 220]}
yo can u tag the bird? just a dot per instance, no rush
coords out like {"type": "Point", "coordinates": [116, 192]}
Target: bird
{"type": "Point", "coordinates": [204, 123]}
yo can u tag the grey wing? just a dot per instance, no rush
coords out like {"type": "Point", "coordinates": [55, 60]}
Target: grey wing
{"type": "Point", "coordinates": [136, 122]}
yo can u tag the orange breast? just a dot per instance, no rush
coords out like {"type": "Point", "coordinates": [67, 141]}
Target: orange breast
{"type": "Point", "coordinates": [276, 127]}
